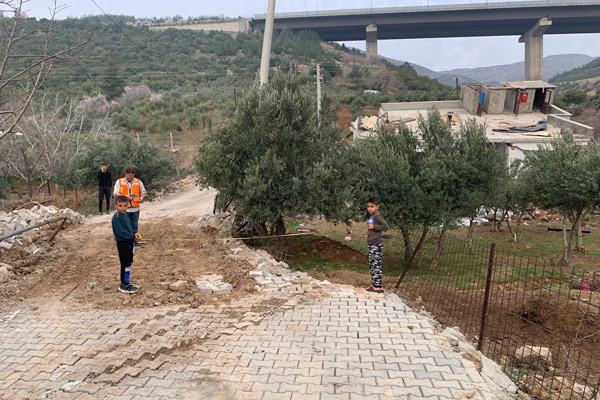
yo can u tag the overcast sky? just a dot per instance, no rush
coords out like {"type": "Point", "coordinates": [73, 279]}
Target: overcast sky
{"type": "Point", "coordinates": [436, 54]}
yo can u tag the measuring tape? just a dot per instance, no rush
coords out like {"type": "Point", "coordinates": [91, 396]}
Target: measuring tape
{"type": "Point", "coordinates": [234, 238]}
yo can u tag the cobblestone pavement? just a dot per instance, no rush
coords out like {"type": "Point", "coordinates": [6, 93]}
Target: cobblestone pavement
{"type": "Point", "coordinates": [343, 344]}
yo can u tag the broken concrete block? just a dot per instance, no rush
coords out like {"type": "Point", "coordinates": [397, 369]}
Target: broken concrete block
{"type": "Point", "coordinates": [255, 273]}
{"type": "Point", "coordinates": [5, 245]}
{"type": "Point", "coordinates": [260, 280]}
{"type": "Point", "coordinates": [222, 290]}
{"type": "Point", "coordinates": [177, 286]}
{"type": "Point", "coordinates": [31, 249]}
{"type": "Point", "coordinates": [261, 260]}
{"type": "Point", "coordinates": [204, 287]}
{"type": "Point", "coordinates": [236, 251]}
{"type": "Point", "coordinates": [262, 265]}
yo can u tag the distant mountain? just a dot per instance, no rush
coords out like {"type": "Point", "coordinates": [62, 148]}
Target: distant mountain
{"type": "Point", "coordinates": [553, 65]}
{"type": "Point", "coordinates": [586, 77]}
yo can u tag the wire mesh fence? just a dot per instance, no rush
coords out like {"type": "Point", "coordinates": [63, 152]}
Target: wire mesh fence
{"type": "Point", "coordinates": [539, 320]}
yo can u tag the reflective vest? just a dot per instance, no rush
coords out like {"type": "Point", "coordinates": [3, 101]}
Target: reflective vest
{"type": "Point", "coordinates": [135, 189]}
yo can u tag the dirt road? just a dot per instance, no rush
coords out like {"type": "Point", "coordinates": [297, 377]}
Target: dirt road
{"type": "Point", "coordinates": [88, 258]}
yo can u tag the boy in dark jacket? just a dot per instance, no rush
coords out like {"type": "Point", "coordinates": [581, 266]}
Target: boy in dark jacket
{"type": "Point", "coordinates": [376, 225]}
{"type": "Point", "coordinates": [125, 237]}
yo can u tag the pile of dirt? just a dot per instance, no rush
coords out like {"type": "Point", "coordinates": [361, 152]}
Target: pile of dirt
{"type": "Point", "coordinates": [93, 264]}
{"type": "Point", "coordinates": [345, 265]}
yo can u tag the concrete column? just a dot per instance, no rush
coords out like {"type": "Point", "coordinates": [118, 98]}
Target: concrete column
{"type": "Point", "coordinates": [372, 43]}
{"type": "Point", "coordinates": [534, 50]}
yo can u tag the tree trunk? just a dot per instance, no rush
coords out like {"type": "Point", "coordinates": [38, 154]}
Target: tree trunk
{"type": "Point", "coordinates": [519, 229]}
{"type": "Point", "coordinates": [579, 246]}
{"type": "Point", "coordinates": [407, 245]}
{"type": "Point", "coordinates": [493, 228]}
{"type": "Point", "coordinates": [278, 228]}
{"type": "Point", "coordinates": [470, 235]}
{"type": "Point", "coordinates": [567, 242]}
{"type": "Point", "coordinates": [440, 248]}
{"type": "Point", "coordinates": [261, 228]}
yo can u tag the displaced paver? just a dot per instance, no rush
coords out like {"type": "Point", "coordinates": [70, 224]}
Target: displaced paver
{"type": "Point", "coordinates": [347, 344]}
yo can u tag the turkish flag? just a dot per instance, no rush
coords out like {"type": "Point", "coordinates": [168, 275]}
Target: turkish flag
{"type": "Point", "coordinates": [524, 97]}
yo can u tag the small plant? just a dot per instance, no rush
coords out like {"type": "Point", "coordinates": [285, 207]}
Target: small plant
{"type": "Point", "coordinates": [410, 328]}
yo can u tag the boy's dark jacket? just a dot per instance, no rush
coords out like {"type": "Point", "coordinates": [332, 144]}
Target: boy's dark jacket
{"type": "Point", "coordinates": [122, 229]}
{"type": "Point", "coordinates": [379, 225]}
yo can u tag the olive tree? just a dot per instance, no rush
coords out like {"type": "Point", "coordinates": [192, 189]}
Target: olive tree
{"type": "Point", "coordinates": [565, 175]}
{"type": "Point", "coordinates": [276, 157]}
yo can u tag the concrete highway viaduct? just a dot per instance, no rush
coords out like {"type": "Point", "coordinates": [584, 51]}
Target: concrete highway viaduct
{"type": "Point", "coordinates": [529, 19]}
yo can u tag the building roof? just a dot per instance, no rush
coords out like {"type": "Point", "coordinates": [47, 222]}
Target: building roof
{"type": "Point", "coordinates": [529, 85]}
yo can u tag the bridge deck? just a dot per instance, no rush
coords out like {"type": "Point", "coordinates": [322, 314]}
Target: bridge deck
{"type": "Point", "coordinates": [450, 20]}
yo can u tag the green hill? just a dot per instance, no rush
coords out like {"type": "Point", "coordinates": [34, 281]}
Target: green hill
{"type": "Point", "coordinates": [193, 74]}
{"type": "Point", "coordinates": [586, 78]}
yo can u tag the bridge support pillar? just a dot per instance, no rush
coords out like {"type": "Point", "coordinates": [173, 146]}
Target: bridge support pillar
{"type": "Point", "coordinates": [534, 50]}
{"type": "Point", "coordinates": [371, 48]}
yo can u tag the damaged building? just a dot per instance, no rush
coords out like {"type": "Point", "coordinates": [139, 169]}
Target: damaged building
{"type": "Point", "coordinates": [518, 116]}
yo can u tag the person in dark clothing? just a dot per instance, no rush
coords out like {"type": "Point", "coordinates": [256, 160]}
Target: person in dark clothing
{"type": "Point", "coordinates": [376, 225]}
{"type": "Point", "coordinates": [104, 187]}
{"type": "Point", "coordinates": [125, 238]}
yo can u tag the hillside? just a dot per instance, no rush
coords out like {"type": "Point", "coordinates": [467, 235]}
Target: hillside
{"type": "Point", "coordinates": [553, 65]}
{"type": "Point", "coordinates": [586, 78]}
{"type": "Point", "coordinates": [195, 77]}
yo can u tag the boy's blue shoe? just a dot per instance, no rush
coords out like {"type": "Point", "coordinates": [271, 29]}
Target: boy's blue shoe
{"type": "Point", "coordinates": [128, 288]}
{"type": "Point", "coordinates": [136, 244]}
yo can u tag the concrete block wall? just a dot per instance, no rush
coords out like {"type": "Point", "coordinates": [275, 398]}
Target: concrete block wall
{"type": "Point", "coordinates": [469, 97]}
{"type": "Point", "coordinates": [493, 101]}
{"type": "Point", "coordinates": [527, 107]}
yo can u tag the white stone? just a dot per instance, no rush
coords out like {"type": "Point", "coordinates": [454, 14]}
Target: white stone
{"type": "Point", "coordinates": [222, 291]}
{"type": "Point", "coordinates": [177, 286]}
{"type": "Point", "coordinates": [261, 281]}
{"type": "Point", "coordinates": [534, 356]}
{"type": "Point", "coordinates": [4, 245]}
{"type": "Point", "coordinates": [261, 260]}
{"type": "Point", "coordinates": [493, 371]}
{"type": "Point", "coordinates": [262, 265]}
{"type": "Point", "coordinates": [255, 273]}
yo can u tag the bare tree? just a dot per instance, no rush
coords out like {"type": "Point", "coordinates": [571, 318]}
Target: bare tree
{"type": "Point", "coordinates": [46, 141]}
{"type": "Point", "coordinates": [22, 75]}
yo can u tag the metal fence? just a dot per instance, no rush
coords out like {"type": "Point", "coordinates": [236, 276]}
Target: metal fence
{"type": "Point", "coordinates": [540, 321]}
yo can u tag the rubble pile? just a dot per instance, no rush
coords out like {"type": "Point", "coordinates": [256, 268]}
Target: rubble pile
{"type": "Point", "coordinates": [272, 275]}
{"type": "Point", "coordinates": [22, 218]}
{"type": "Point", "coordinates": [212, 284]}
{"type": "Point", "coordinates": [209, 223]}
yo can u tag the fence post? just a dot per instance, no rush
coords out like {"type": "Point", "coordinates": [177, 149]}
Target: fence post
{"type": "Point", "coordinates": [486, 298]}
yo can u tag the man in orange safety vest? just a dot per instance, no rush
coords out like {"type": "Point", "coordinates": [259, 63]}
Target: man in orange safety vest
{"type": "Point", "coordinates": [132, 188]}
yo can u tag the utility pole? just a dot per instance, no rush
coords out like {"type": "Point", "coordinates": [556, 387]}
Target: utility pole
{"type": "Point", "coordinates": [319, 92]}
{"type": "Point", "coordinates": [267, 39]}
